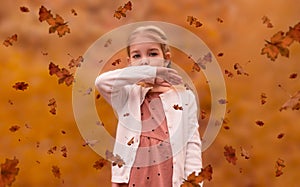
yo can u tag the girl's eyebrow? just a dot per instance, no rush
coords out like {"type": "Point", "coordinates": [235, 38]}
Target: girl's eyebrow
{"type": "Point", "coordinates": [135, 51]}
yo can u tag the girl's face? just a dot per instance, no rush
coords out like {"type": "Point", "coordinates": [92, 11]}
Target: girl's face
{"type": "Point", "coordinates": [146, 54]}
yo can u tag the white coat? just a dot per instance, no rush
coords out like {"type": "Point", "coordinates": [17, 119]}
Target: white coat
{"type": "Point", "coordinates": [119, 88]}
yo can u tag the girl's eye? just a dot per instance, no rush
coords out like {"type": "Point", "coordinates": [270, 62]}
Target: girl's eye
{"type": "Point", "coordinates": [152, 54]}
{"type": "Point", "coordinates": [135, 56]}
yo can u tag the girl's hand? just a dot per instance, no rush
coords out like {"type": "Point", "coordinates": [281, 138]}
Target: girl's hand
{"type": "Point", "coordinates": [169, 75]}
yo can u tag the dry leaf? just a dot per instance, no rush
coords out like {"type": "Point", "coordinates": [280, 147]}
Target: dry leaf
{"type": "Point", "coordinates": [73, 11]}
{"type": "Point", "coordinates": [24, 9]}
{"type": "Point", "coordinates": [131, 141]}
{"type": "Point", "coordinates": [57, 24]}
{"type": "Point", "coordinates": [239, 69]}
{"type": "Point", "coordinates": [202, 61]}
{"type": "Point", "coordinates": [259, 122]}
{"type": "Point", "coordinates": [52, 105]}
{"type": "Point", "coordinates": [263, 98]}
{"type": "Point", "coordinates": [193, 180]}
{"type": "Point", "coordinates": [230, 154]}
{"type": "Point", "coordinates": [63, 74]}
{"type": "Point", "coordinates": [294, 32]}
{"type": "Point", "coordinates": [75, 62]}
{"type": "Point", "coordinates": [20, 86]}
{"type": "Point", "coordinates": [9, 40]}
{"type": "Point", "coordinates": [121, 11]}
{"type": "Point", "coordinates": [220, 20]}
{"type": "Point", "coordinates": [116, 62]}
{"type": "Point", "coordinates": [99, 164]}
{"type": "Point", "coordinates": [177, 107]}
{"type": "Point", "coordinates": [56, 171]}
{"type": "Point", "coordinates": [14, 128]}
{"type": "Point", "coordinates": [63, 150]}
{"type": "Point", "coordinates": [278, 45]}
{"type": "Point", "coordinates": [244, 153]}
{"type": "Point", "coordinates": [9, 171]}
{"type": "Point", "coordinates": [194, 21]}
{"type": "Point", "coordinates": [280, 135]}
{"type": "Point", "coordinates": [228, 73]}
{"type": "Point", "coordinates": [293, 75]}
{"type": "Point", "coordinates": [267, 21]}
{"type": "Point", "coordinates": [116, 160]}
{"type": "Point", "coordinates": [279, 167]}
{"type": "Point", "coordinates": [293, 102]}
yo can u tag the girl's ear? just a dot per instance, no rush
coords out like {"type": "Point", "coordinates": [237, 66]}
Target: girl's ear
{"type": "Point", "coordinates": [128, 61]}
{"type": "Point", "coordinates": [168, 59]}
{"type": "Point", "coordinates": [168, 56]}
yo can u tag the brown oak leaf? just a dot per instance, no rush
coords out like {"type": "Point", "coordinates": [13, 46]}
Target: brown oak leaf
{"type": "Point", "coordinates": [194, 21]}
{"type": "Point", "coordinates": [20, 86]}
{"type": "Point", "coordinates": [57, 24]}
{"type": "Point", "coordinates": [293, 102]}
{"type": "Point", "coordinates": [9, 40]}
{"type": "Point", "coordinates": [279, 167]}
{"type": "Point", "coordinates": [278, 45]}
{"type": "Point", "coordinates": [9, 171]}
{"type": "Point", "coordinates": [121, 11]}
{"type": "Point", "coordinates": [99, 164]}
{"type": "Point", "coordinates": [116, 160]}
{"type": "Point", "coordinates": [193, 180]}
{"type": "Point", "coordinates": [230, 154]}
{"type": "Point", "coordinates": [56, 171]}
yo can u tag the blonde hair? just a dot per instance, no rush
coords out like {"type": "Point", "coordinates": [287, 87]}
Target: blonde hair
{"type": "Point", "coordinates": [149, 33]}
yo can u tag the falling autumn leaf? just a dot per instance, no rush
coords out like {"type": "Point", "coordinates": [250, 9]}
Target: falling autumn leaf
{"type": "Point", "coordinates": [278, 45]}
{"type": "Point", "coordinates": [56, 171]}
{"type": "Point", "coordinates": [263, 98]}
{"type": "Point", "coordinates": [244, 153]}
{"type": "Point", "coordinates": [121, 11]}
{"type": "Point", "coordinates": [57, 24]}
{"type": "Point", "coordinates": [116, 62]}
{"type": "Point", "coordinates": [73, 11]}
{"type": "Point", "coordinates": [230, 154]}
{"type": "Point", "coordinates": [193, 180]}
{"type": "Point", "coordinates": [52, 150]}
{"type": "Point", "coordinates": [131, 141]}
{"type": "Point", "coordinates": [75, 62]}
{"type": "Point", "coordinates": [239, 69]}
{"type": "Point", "coordinates": [63, 150]}
{"type": "Point", "coordinates": [220, 20]}
{"type": "Point", "coordinates": [9, 40]}
{"type": "Point", "coordinates": [280, 135]}
{"type": "Point", "coordinates": [294, 32]}
{"type": "Point", "coordinates": [228, 73]}
{"type": "Point", "coordinates": [52, 105]}
{"type": "Point", "coordinates": [279, 167]}
{"type": "Point", "coordinates": [202, 61]}
{"type": "Point", "coordinates": [20, 86]}
{"type": "Point", "coordinates": [99, 164]}
{"type": "Point", "coordinates": [24, 9]}
{"type": "Point", "coordinates": [177, 107]}
{"type": "Point", "coordinates": [14, 128]}
{"type": "Point", "coordinates": [108, 42]}
{"type": "Point", "coordinates": [267, 21]}
{"type": "Point", "coordinates": [116, 160]}
{"type": "Point", "coordinates": [259, 123]}
{"type": "Point", "coordinates": [222, 101]}
{"type": "Point", "coordinates": [293, 102]}
{"type": "Point", "coordinates": [293, 75]}
{"type": "Point", "coordinates": [63, 74]}
{"type": "Point", "coordinates": [9, 171]}
{"type": "Point", "coordinates": [220, 54]}
{"type": "Point", "coordinates": [194, 21]}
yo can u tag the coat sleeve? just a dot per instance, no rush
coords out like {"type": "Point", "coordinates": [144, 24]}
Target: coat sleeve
{"type": "Point", "coordinates": [193, 159]}
{"type": "Point", "coordinates": [112, 84]}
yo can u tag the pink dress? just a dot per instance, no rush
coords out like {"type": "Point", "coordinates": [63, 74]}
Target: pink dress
{"type": "Point", "coordinates": [153, 166]}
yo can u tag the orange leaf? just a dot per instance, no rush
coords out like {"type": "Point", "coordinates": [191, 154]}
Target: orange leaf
{"type": "Point", "coordinates": [9, 40]}
{"type": "Point", "coordinates": [279, 166]}
{"type": "Point", "coordinates": [56, 171]}
{"type": "Point", "coordinates": [263, 98]}
{"type": "Point", "coordinates": [9, 171]}
{"type": "Point", "coordinates": [193, 21]}
{"type": "Point", "coordinates": [56, 24]}
{"type": "Point", "coordinates": [278, 45]}
{"type": "Point", "coordinates": [116, 160]}
{"type": "Point", "coordinates": [14, 128]}
{"type": "Point", "coordinates": [24, 9]}
{"type": "Point", "coordinates": [20, 86]}
{"type": "Point", "coordinates": [99, 164]}
{"type": "Point", "coordinates": [293, 102]}
{"type": "Point", "coordinates": [121, 11]}
{"type": "Point", "coordinates": [260, 123]}
{"type": "Point", "coordinates": [294, 32]}
{"type": "Point", "coordinates": [75, 62]}
{"type": "Point", "coordinates": [239, 69]}
{"type": "Point", "coordinates": [230, 154]}
{"type": "Point", "coordinates": [267, 21]}
{"type": "Point", "coordinates": [52, 105]}
{"type": "Point", "coordinates": [177, 107]}
{"type": "Point", "coordinates": [193, 180]}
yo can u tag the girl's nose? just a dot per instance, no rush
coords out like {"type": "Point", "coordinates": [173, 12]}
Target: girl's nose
{"type": "Point", "coordinates": [145, 61]}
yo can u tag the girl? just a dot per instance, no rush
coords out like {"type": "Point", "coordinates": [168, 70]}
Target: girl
{"type": "Point", "coordinates": [157, 135]}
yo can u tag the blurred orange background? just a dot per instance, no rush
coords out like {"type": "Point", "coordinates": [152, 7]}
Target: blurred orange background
{"type": "Point", "coordinates": [240, 38]}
